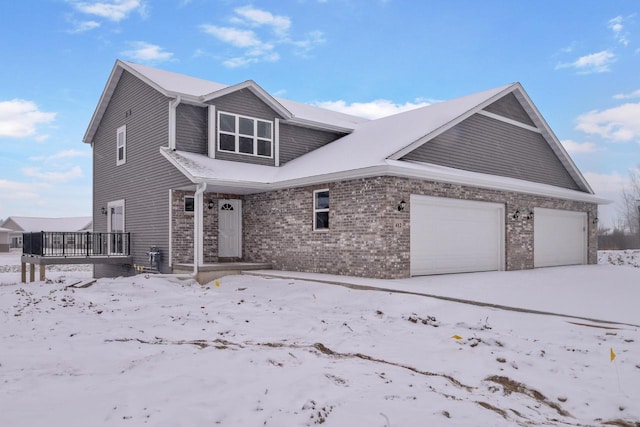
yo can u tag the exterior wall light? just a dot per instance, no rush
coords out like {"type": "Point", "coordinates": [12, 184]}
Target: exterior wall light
{"type": "Point", "coordinates": [402, 205]}
{"type": "Point", "coordinates": [103, 210]}
{"type": "Point", "coordinates": [210, 204]}
{"type": "Point", "coordinates": [524, 215]}
{"type": "Point", "coordinates": [594, 221]}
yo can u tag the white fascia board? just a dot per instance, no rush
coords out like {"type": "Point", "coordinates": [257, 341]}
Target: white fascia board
{"type": "Point", "coordinates": [509, 121]}
{"type": "Point", "coordinates": [445, 127]}
{"type": "Point", "coordinates": [105, 97]}
{"type": "Point", "coordinates": [257, 90]}
{"type": "Point", "coordinates": [318, 125]}
{"type": "Point", "coordinates": [177, 165]}
{"type": "Point", "coordinates": [475, 179]}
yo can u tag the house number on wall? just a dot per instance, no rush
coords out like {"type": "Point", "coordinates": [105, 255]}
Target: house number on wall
{"type": "Point", "coordinates": [398, 225]}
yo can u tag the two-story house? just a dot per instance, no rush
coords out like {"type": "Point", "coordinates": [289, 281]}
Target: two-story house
{"type": "Point", "coordinates": [210, 173]}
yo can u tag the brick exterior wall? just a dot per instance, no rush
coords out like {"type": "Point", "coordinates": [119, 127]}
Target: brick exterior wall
{"type": "Point", "coordinates": [368, 236]}
{"type": "Point", "coordinates": [182, 227]}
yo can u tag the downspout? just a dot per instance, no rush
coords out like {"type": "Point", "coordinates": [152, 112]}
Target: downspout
{"type": "Point", "coordinates": [173, 105]}
{"type": "Point", "coordinates": [198, 231]}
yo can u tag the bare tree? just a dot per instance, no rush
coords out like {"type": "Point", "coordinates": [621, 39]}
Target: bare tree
{"type": "Point", "coordinates": [630, 213]}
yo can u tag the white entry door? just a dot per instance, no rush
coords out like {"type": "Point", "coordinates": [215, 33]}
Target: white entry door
{"type": "Point", "coordinates": [455, 236]}
{"type": "Point", "coordinates": [230, 228]}
{"type": "Point", "coordinates": [115, 227]}
{"type": "Point", "coordinates": [559, 237]}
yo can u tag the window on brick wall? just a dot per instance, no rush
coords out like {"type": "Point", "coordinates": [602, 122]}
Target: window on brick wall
{"type": "Point", "coordinates": [321, 209]}
{"type": "Point", "coordinates": [189, 203]}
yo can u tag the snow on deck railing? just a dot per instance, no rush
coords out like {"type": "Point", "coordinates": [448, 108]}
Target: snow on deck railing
{"type": "Point", "coordinates": [76, 244]}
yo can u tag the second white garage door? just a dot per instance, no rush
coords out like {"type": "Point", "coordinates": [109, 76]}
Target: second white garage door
{"type": "Point", "coordinates": [559, 237]}
{"type": "Point", "coordinates": [455, 236]}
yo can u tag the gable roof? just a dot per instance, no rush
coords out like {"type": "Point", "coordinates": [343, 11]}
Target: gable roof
{"type": "Point", "coordinates": [379, 145]}
{"type": "Point", "coordinates": [33, 224]}
{"type": "Point", "coordinates": [200, 91]}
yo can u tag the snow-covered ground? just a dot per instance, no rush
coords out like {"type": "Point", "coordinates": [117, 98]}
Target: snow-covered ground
{"type": "Point", "coordinates": [628, 257]}
{"type": "Point", "coordinates": [252, 351]}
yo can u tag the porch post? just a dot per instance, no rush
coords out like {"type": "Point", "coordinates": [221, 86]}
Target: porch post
{"type": "Point", "coordinates": [23, 272]}
{"type": "Point", "coordinates": [32, 272]}
{"type": "Point", "coordinates": [198, 227]}
{"type": "Point", "coordinates": [43, 268]}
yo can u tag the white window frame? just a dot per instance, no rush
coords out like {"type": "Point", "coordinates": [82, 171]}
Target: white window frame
{"type": "Point", "coordinates": [317, 210]}
{"type": "Point", "coordinates": [237, 135]}
{"type": "Point", "coordinates": [112, 246]}
{"type": "Point", "coordinates": [122, 130]}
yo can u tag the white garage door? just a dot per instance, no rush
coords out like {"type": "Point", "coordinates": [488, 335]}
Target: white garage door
{"type": "Point", "coordinates": [559, 237]}
{"type": "Point", "coordinates": [455, 236]}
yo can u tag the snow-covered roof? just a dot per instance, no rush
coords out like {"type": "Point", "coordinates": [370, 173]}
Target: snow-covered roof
{"type": "Point", "coordinates": [199, 91]}
{"type": "Point", "coordinates": [379, 145]}
{"type": "Point", "coordinates": [32, 224]}
{"type": "Point", "coordinates": [369, 146]}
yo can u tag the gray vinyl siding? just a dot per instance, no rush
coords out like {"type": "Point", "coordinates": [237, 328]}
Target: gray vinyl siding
{"type": "Point", "coordinates": [191, 129]}
{"type": "Point", "coordinates": [485, 145]}
{"type": "Point", "coordinates": [245, 103]}
{"type": "Point", "coordinates": [146, 177]}
{"type": "Point", "coordinates": [296, 141]}
{"type": "Point", "coordinates": [508, 106]}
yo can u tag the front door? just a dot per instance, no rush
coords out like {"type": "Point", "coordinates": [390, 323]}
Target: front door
{"type": "Point", "coordinates": [230, 228]}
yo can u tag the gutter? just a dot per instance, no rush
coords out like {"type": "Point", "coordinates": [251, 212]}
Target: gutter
{"type": "Point", "coordinates": [173, 105]}
{"type": "Point", "coordinates": [197, 227]}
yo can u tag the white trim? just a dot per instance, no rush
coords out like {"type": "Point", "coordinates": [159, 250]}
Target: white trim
{"type": "Point", "coordinates": [256, 90]}
{"type": "Point", "coordinates": [211, 131]}
{"type": "Point", "coordinates": [110, 205]}
{"type": "Point", "coordinates": [508, 120]}
{"type": "Point", "coordinates": [276, 141]}
{"type": "Point", "coordinates": [198, 229]}
{"type": "Point", "coordinates": [237, 135]}
{"type": "Point", "coordinates": [316, 210]}
{"type": "Point", "coordinates": [398, 168]}
{"type": "Point", "coordinates": [170, 260]}
{"type": "Point", "coordinates": [122, 130]}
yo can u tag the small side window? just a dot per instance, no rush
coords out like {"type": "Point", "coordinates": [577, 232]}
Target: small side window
{"type": "Point", "coordinates": [321, 209]}
{"type": "Point", "coordinates": [189, 204]}
{"type": "Point", "coordinates": [121, 145]}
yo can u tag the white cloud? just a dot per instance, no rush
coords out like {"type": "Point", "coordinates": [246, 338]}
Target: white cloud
{"type": "Point", "coordinates": [249, 15]}
{"type": "Point", "coordinates": [634, 94]}
{"type": "Point", "coordinates": [593, 63]}
{"type": "Point", "coordinates": [147, 52]}
{"type": "Point", "coordinates": [83, 26]}
{"type": "Point", "coordinates": [19, 118]}
{"type": "Point", "coordinates": [257, 34]}
{"type": "Point", "coordinates": [234, 36]}
{"type": "Point", "coordinates": [65, 154]}
{"type": "Point", "coordinates": [616, 25]}
{"type": "Point", "coordinates": [618, 124]}
{"type": "Point", "coordinates": [53, 176]}
{"type": "Point", "coordinates": [579, 147]}
{"type": "Point", "coordinates": [373, 109]}
{"type": "Point", "coordinates": [115, 10]}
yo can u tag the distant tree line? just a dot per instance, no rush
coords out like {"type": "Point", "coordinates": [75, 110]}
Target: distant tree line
{"type": "Point", "coordinates": [626, 232]}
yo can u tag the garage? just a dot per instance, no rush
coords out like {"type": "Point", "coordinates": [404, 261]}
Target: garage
{"type": "Point", "coordinates": [559, 237]}
{"type": "Point", "coordinates": [455, 236]}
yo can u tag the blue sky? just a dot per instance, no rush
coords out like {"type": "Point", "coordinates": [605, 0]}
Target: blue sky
{"type": "Point", "coordinates": [579, 61]}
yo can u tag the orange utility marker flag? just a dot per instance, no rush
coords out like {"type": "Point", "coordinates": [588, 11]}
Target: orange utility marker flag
{"type": "Point", "coordinates": [612, 355]}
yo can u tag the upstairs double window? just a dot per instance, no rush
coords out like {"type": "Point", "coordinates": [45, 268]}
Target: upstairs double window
{"type": "Point", "coordinates": [245, 135]}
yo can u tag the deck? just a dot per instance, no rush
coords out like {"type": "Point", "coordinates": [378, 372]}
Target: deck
{"type": "Point", "coordinates": [49, 247]}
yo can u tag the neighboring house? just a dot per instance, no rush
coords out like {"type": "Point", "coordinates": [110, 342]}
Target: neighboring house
{"type": "Point", "coordinates": [5, 240]}
{"type": "Point", "coordinates": [210, 173]}
{"type": "Point", "coordinates": [21, 224]}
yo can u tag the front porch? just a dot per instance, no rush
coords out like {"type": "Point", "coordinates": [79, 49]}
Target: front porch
{"type": "Point", "coordinates": [212, 271]}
